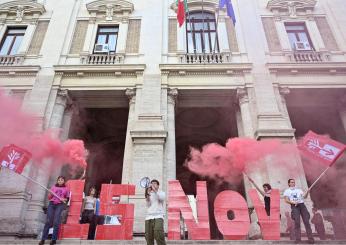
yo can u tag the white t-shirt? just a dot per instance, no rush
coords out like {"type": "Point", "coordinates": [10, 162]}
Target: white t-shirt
{"type": "Point", "coordinates": [155, 208]}
{"type": "Point", "coordinates": [294, 195]}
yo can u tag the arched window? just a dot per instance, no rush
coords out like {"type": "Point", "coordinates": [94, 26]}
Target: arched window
{"type": "Point", "coordinates": [201, 32]}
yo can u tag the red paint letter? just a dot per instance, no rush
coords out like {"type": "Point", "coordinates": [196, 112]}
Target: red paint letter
{"type": "Point", "coordinates": [270, 225]}
{"type": "Point", "coordinates": [238, 227]}
{"type": "Point", "coordinates": [72, 228]}
{"type": "Point", "coordinates": [178, 203]}
{"type": "Point", "coordinates": [109, 207]}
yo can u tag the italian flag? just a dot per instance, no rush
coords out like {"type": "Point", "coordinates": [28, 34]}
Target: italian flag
{"type": "Point", "coordinates": [182, 9]}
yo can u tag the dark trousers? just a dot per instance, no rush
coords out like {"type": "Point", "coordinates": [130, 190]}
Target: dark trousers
{"type": "Point", "coordinates": [297, 211]}
{"type": "Point", "coordinates": [154, 230]}
{"type": "Point", "coordinates": [53, 219]}
{"type": "Point", "coordinates": [321, 232]}
{"type": "Point", "coordinates": [88, 217]}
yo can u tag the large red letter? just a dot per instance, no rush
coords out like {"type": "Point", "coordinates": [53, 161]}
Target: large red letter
{"type": "Point", "coordinates": [238, 227]}
{"type": "Point", "coordinates": [178, 202]}
{"type": "Point", "coordinates": [270, 225]}
{"type": "Point", "coordinates": [72, 228]}
{"type": "Point", "coordinates": [126, 211]}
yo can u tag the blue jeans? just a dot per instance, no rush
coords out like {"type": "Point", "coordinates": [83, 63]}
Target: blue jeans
{"type": "Point", "coordinates": [53, 219]}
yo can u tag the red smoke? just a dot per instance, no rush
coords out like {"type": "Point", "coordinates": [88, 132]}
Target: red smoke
{"type": "Point", "coordinates": [228, 162]}
{"type": "Point", "coordinates": [18, 127]}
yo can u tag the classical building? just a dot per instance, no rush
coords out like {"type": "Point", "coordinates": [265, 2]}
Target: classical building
{"type": "Point", "coordinates": [140, 90]}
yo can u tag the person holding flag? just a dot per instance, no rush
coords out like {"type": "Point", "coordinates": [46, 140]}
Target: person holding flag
{"type": "Point", "coordinates": [56, 206]}
{"type": "Point", "coordinates": [295, 197]}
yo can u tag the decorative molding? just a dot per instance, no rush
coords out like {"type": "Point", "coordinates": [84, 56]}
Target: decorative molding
{"type": "Point", "coordinates": [242, 95]}
{"type": "Point", "coordinates": [284, 91]}
{"type": "Point", "coordinates": [20, 10]}
{"type": "Point", "coordinates": [109, 9]}
{"type": "Point", "coordinates": [326, 68]}
{"type": "Point", "coordinates": [19, 70]}
{"type": "Point", "coordinates": [195, 5]}
{"type": "Point", "coordinates": [205, 69]}
{"type": "Point", "coordinates": [291, 8]}
{"type": "Point", "coordinates": [131, 95]}
{"type": "Point", "coordinates": [172, 96]}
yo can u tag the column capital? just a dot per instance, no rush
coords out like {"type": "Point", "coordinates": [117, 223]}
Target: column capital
{"type": "Point", "coordinates": [131, 94]}
{"type": "Point", "coordinates": [63, 97]}
{"type": "Point", "coordinates": [172, 95]}
{"type": "Point", "coordinates": [242, 95]}
{"type": "Point", "coordinates": [284, 91]}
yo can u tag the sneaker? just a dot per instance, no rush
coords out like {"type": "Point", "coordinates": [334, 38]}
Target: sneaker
{"type": "Point", "coordinates": [52, 242]}
{"type": "Point", "coordinates": [41, 242]}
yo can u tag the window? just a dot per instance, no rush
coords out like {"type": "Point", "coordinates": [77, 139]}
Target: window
{"type": "Point", "coordinates": [201, 33]}
{"type": "Point", "coordinates": [12, 40]}
{"type": "Point", "coordinates": [108, 35]}
{"type": "Point", "coordinates": [297, 32]}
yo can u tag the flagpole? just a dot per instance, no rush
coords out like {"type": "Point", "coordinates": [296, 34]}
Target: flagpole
{"type": "Point", "coordinates": [203, 43]}
{"type": "Point", "coordinates": [321, 175]}
{"type": "Point", "coordinates": [191, 31]}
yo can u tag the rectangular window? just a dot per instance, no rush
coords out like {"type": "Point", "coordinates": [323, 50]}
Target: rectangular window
{"type": "Point", "coordinates": [12, 40]}
{"type": "Point", "coordinates": [107, 36]}
{"type": "Point", "coordinates": [298, 36]}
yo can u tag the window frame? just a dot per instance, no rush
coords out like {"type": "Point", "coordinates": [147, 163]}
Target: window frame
{"type": "Point", "coordinates": [296, 32]}
{"type": "Point", "coordinates": [108, 34]}
{"type": "Point", "coordinates": [15, 35]}
{"type": "Point", "coordinates": [207, 21]}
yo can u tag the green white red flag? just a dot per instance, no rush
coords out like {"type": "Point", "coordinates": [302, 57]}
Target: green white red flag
{"type": "Point", "coordinates": [182, 9]}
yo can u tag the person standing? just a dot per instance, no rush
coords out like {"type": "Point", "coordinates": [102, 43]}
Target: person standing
{"type": "Point", "coordinates": [154, 214]}
{"type": "Point", "coordinates": [88, 212]}
{"type": "Point", "coordinates": [295, 197]}
{"type": "Point", "coordinates": [55, 207]}
{"type": "Point", "coordinates": [317, 220]}
{"type": "Point", "coordinates": [265, 193]}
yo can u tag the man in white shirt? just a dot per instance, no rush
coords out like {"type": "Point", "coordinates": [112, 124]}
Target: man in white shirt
{"type": "Point", "coordinates": [295, 197]}
{"type": "Point", "coordinates": [155, 213]}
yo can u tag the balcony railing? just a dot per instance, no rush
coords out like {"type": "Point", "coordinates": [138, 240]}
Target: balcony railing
{"type": "Point", "coordinates": [308, 56]}
{"type": "Point", "coordinates": [200, 58]}
{"type": "Point", "coordinates": [8, 60]}
{"type": "Point", "coordinates": [102, 59]}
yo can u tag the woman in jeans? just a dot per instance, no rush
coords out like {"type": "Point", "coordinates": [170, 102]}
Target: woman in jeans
{"type": "Point", "coordinates": [56, 205]}
{"type": "Point", "coordinates": [88, 211]}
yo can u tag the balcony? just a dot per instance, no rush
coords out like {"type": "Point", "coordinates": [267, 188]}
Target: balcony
{"type": "Point", "coordinates": [205, 58]}
{"type": "Point", "coordinates": [308, 56]}
{"type": "Point", "coordinates": [102, 59]}
{"type": "Point", "coordinates": [9, 60]}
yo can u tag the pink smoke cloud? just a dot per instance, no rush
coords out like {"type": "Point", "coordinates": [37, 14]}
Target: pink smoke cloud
{"type": "Point", "coordinates": [18, 127]}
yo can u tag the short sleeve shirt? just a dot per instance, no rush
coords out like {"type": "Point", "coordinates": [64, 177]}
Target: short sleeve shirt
{"type": "Point", "coordinates": [294, 195]}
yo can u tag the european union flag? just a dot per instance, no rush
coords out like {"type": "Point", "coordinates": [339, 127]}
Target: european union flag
{"type": "Point", "coordinates": [229, 7]}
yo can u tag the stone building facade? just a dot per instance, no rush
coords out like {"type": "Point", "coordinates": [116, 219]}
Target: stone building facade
{"type": "Point", "coordinates": [139, 89]}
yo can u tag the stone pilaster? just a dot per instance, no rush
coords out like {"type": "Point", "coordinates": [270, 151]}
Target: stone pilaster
{"type": "Point", "coordinates": [283, 92]}
{"type": "Point", "coordinates": [244, 106]}
{"type": "Point", "coordinates": [34, 217]}
{"type": "Point", "coordinates": [170, 143]}
{"type": "Point", "coordinates": [127, 162]}
{"type": "Point", "coordinates": [342, 111]}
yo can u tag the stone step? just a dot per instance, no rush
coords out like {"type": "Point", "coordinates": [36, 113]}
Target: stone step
{"type": "Point", "coordinates": [137, 241]}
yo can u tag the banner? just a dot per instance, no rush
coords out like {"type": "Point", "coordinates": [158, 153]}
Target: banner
{"type": "Point", "coordinates": [14, 158]}
{"type": "Point", "coordinates": [321, 148]}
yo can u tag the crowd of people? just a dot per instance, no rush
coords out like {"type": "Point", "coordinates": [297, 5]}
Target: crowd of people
{"type": "Point", "coordinates": [155, 211]}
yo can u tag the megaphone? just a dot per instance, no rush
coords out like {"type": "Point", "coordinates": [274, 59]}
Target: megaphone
{"type": "Point", "coordinates": [144, 182]}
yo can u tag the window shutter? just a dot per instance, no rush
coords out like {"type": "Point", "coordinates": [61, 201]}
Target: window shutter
{"type": "Point", "coordinates": [172, 36]}
{"type": "Point", "coordinates": [79, 37]}
{"type": "Point", "coordinates": [38, 38]}
{"type": "Point", "coordinates": [326, 33]}
{"type": "Point", "coordinates": [133, 36]}
{"type": "Point", "coordinates": [271, 34]}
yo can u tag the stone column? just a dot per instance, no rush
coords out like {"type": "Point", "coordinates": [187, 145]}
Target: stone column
{"type": "Point", "coordinates": [170, 144]}
{"type": "Point", "coordinates": [244, 106]}
{"type": "Point", "coordinates": [127, 162]}
{"type": "Point", "coordinates": [35, 218]}
{"type": "Point", "coordinates": [342, 111]}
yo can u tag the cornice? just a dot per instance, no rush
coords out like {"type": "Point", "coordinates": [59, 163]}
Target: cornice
{"type": "Point", "coordinates": [97, 71]}
{"type": "Point", "coordinates": [194, 5]}
{"type": "Point", "coordinates": [331, 68]}
{"type": "Point", "coordinates": [19, 70]}
{"type": "Point", "coordinates": [21, 8]}
{"type": "Point", "coordinates": [291, 8]}
{"type": "Point", "coordinates": [205, 69]}
{"type": "Point", "coordinates": [110, 8]}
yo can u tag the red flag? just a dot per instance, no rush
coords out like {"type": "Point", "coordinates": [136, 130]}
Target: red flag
{"type": "Point", "coordinates": [181, 12]}
{"type": "Point", "coordinates": [321, 147]}
{"type": "Point", "coordinates": [14, 158]}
